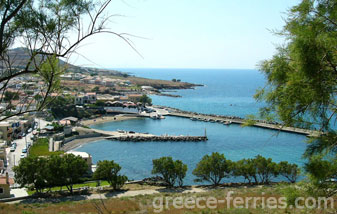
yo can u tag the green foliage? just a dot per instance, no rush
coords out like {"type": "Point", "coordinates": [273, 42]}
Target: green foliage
{"type": "Point", "coordinates": [289, 171]}
{"type": "Point", "coordinates": [32, 171]}
{"type": "Point", "coordinates": [63, 106]}
{"type": "Point", "coordinates": [74, 167]}
{"type": "Point", "coordinates": [249, 121]}
{"type": "Point", "coordinates": [95, 89]}
{"type": "Point", "coordinates": [109, 171]}
{"type": "Point", "coordinates": [300, 75]}
{"type": "Point", "coordinates": [301, 86]}
{"type": "Point", "coordinates": [265, 168]}
{"type": "Point", "coordinates": [145, 100]}
{"type": "Point", "coordinates": [46, 172]}
{"type": "Point", "coordinates": [171, 171]}
{"type": "Point", "coordinates": [213, 168]}
{"type": "Point", "coordinates": [57, 127]}
{"type": "Point", "coordinates": [323, 174]}
{"type": "Point", "coordinates": [245, 168]}
{"type": "Point", "coordinates": [11, 96]}
{"type": "Point", "coordinates": [292, 193]}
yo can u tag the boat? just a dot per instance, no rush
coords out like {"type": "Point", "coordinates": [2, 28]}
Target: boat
{"type": "Point", "coordinates": [227, 122]}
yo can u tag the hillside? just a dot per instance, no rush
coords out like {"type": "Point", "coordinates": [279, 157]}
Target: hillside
{"type": "Point", "coordinates": [20, 56]}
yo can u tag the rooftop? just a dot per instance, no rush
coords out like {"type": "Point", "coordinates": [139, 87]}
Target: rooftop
{"type": "Point", "coordinates": [81, 154]}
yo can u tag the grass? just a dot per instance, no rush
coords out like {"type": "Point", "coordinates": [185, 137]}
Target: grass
{"type": "Point", "coordinates": [144, 203]}
{"type": "Point", "coordinates": [41, 148]}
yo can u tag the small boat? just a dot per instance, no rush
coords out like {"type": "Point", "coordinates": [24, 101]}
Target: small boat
{"type": "Point", "coordinates": [193, 118]}
{"type": "Point", "coordinates": [227, 122]}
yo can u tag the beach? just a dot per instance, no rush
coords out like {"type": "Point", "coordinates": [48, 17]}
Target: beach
{"type": "Point", "coordinates": [105, 119]}
{"type": "Point", "coordinates": [79, 142]}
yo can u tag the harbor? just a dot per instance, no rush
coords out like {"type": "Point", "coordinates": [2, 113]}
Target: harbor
{"type": "Point", "coordinates": [227, 120]}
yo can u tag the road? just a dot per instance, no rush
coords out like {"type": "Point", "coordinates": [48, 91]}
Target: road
{"type": "Point", "coordinates": [13, 158]}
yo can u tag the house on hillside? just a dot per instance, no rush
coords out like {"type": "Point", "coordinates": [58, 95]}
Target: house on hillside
{"type": "Point", "coordinates": [88, 98]}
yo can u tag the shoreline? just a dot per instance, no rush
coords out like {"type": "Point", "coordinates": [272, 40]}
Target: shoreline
{"type": "Point", "coordinates": [74, 144]}
{"type": "Point", "coordinates": [105, 119]}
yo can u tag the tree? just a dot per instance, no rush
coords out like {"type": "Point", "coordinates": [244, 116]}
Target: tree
{"type": "Point", "coordinates": [213, 168]}
{"type": "Point", "coordinates": [109, 171]}
{"type": "Point", "coordinates": [302, 75]}
{"type": "Point", "coordinates": [45, 28]}
{"type": "Point", "coordinates": [144, 99]}
{"type": "Point", "coordinates": [265, 169]}
{"type": "Point", "coordinates": [323, 174]}
{"type": "Point", "coordinates": [289, 171]}
{"type": "Point", "coordinates": [74, 168]}
{"type": "Point", "coordinates": [11, 96]}
{"type": "Point", "coordinates": [180, 169]}
{"type": "Point", "coordinates": [96, 89]}
{"type": "Point", "coordinates": [171, 171]}
{"type": "Point", "coordinates": [56, 172]}
{"type": "Point", "coordinates": [32, 171]}
{"type": "Point", "coordinates": [247, 169]}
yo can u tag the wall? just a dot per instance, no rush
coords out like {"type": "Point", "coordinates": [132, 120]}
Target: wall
{"type": "Point", "coordinates": [121, 109]}
{"type": "Point", "coordinates": [6, 189]}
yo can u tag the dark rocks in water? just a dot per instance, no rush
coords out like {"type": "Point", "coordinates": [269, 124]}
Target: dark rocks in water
{"type": "Point", "coordinates": [155, 181]}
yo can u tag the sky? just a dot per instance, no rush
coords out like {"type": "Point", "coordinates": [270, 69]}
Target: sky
{"type": "Point", "coordinates": [233, 34]}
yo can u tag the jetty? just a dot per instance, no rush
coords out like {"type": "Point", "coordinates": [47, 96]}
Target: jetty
{"type": "Point", "coordinates": [163, 138]}
{"type": "Point", "coordinates": [227, 120]}
{"type": "Point", "coordinates": [131, 136]}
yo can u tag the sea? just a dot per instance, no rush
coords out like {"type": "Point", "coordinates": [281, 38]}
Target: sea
{"type": "Point", "coordinates": [225, 92]}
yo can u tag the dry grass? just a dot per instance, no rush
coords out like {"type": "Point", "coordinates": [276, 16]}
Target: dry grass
{"type": "Point", "coordinates": [143, 204]}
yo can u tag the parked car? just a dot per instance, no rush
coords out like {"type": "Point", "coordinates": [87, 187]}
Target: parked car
{"type": "Point", "coordinates": [14, 145]}
{"type": "Point", "coordinates": [30, 130]}
{"type": "Point", "coordinates": [24, 135]}
{"type": "Point", "coordinates": [12, 149]}
{"type": "Point", "coordinates": [24, 150]}
{"type": "Point", "coordinates": [22, 155]}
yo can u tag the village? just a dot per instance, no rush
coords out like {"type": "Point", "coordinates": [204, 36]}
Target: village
{"type": "Point", "coordinates": [19, 133]}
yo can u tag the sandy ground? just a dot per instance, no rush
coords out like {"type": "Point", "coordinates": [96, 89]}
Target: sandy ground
{"type": "Point", "coordinates": [105, 119]}
{"type": "Point", "coordinates": [127, 193]}
{"type": "Point", "coordinates": [79, 142]}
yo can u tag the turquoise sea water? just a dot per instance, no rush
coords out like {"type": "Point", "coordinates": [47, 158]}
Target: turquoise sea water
{"type": "Point", "coordinates": [227, 92]}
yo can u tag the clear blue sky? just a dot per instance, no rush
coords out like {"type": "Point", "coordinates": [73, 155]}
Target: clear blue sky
{"type": "Point", "coordinates": [188, 34]}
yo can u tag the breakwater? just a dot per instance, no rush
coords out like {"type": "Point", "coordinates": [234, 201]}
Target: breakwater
{"type": "Point", "coordinates": [158, 138]}
{"type": "Point", "coordinates": [227, 120]}
{"type": "Point", "coordinates": [139, 137]}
